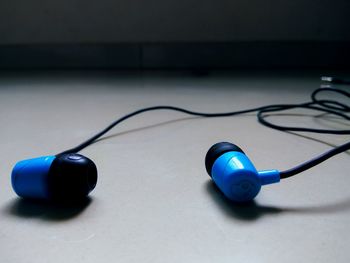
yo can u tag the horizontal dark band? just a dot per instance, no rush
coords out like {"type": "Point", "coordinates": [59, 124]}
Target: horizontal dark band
{"type": "Point", "coordinates": [273, 54]}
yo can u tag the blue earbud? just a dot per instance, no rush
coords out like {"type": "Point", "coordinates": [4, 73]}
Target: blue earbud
{"type": "Point", "coordinates": [65, 177]}
{"type": "Point", "coordinates": [234, 173]}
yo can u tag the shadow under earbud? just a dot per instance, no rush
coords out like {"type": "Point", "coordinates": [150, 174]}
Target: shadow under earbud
{"type": "Point", "coordinates": [244, 211]}
{"type": "Point", "coordinates": [46, 211]}
{"type": "Point", "coordinates": [252, 211]}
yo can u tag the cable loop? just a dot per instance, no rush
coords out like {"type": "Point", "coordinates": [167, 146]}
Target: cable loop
{"type": "Point", "coordinates": [327, 106]}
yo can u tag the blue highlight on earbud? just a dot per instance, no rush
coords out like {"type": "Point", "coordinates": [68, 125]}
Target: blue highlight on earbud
{"type": "Point", "coordinates": [30, 177]}
{"type": "Point", "coordinates": [236, 176]}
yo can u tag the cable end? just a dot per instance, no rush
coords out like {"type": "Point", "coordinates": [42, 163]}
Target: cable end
{"type": "Point", "coordinates": [327, 79]}
{"type": "Point", "coordinates": [334, 80]}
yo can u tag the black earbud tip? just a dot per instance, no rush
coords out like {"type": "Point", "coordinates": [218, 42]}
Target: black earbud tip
{"type": "Point", "coordinates": [216, 151]}
{"type": "Point", "coordinates": [72, 177]}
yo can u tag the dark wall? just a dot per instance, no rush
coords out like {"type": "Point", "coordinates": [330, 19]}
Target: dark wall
{"type": "Point", "coordinates": [62, 21]}
{"type": "Point", "coordinates": [174, 33]}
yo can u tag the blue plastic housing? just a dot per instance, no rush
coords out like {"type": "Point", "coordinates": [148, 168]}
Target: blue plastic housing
{"type": "Point", "coordinates": [30, 177]}
{"type": "Point", "coordinates": [237, 177]}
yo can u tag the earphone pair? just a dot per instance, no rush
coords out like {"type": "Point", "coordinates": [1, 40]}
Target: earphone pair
{"type": "Point", "coordinates": [73, 176]}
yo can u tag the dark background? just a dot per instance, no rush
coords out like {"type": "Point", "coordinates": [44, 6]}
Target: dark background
{"type": "Point", "coordinates": [137, 34]}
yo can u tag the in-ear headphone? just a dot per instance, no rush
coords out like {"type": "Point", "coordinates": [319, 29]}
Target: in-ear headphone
{"type": "Point", "coordinates": [237, 178]}
{"type": "Point", "coordinates": [234, 173]}
{"type": "Point", "coordinates": [65, 177]}
{"type": "Point", "coordinates": [71, 176]}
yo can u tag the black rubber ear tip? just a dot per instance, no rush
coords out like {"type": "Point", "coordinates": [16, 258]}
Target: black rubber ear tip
{"type": "Point", "coordinates": [216, 151]}
{"type": "Point", "coordinates": [72, 177]}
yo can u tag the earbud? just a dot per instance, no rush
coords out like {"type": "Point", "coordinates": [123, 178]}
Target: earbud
{"type": "Point", "coordinates": [65, 177]}
{"type": "Point", "coordinates": [234, 173]}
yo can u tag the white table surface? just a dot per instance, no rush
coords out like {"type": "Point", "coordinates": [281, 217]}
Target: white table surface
{"type": "Point", "coordinates": [154, 201]}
